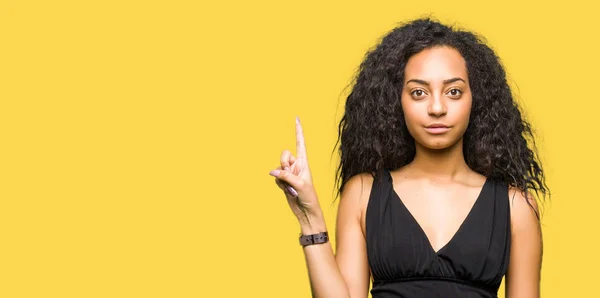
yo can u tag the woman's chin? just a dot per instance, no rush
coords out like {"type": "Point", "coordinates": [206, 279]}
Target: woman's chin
{"type": "Point", "coordinates": [438, 145]}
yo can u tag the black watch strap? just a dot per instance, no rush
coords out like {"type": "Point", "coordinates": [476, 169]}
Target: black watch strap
{"type": "Point", "coordinates": [314, 238]}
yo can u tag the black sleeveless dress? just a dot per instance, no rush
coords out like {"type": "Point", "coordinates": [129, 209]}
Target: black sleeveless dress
{"type": "Point", "coordinates": [404, 264]}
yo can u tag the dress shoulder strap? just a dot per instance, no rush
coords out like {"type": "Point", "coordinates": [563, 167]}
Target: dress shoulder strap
{"type": "Point", "coordinates": [380, 193]}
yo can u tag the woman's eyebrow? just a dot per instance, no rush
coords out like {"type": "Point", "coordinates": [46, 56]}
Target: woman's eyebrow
{"type": "Point", "coordinates": [448, 81]}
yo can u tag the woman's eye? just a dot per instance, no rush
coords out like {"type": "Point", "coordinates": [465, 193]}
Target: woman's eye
{"type": "Point", "coordinates": [455, 92]}
{"type": "Point", "coordinates": [418, 93]}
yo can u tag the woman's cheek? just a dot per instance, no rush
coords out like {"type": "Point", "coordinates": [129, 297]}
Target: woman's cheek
{"type": "Point", "coordinates": [408, 119]}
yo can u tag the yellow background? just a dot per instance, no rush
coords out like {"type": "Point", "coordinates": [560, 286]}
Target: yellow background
{"type": "Point", "coordinates": [136, 137]}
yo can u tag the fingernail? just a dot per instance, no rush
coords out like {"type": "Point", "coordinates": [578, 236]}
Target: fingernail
{"type": "Point", "coordinates": [287, 168]}
{"type": "Point", "coordinates": [297, 120]}
{"type": "Point", "coordinates": [274, 172]}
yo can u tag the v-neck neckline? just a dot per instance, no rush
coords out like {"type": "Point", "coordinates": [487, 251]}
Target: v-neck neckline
{"type": "Point", "coordinates": [460, 227]}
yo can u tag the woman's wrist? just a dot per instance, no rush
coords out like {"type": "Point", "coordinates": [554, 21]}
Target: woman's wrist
{"type": "Point", "coordinates": [312, 222]}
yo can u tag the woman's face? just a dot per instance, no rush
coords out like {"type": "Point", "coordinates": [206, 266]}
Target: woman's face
{"type": "Point", "coordinates": [436, 97]}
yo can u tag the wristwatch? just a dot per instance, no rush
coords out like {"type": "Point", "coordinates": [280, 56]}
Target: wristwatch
{"type": "Point", "coordinates": [313, 239]}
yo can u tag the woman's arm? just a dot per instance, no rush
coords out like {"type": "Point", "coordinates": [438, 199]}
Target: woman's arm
{"type": "Point", "coordinates": [524, 269]}
{"type": "Point", "coordinates": [347, 273]}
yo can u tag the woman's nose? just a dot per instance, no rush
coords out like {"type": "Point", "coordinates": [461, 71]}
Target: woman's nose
{"type": "Point", "coordinates": [437, 106]}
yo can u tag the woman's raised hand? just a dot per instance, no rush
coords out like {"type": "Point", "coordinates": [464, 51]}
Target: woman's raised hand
{"type": "Point", "coordinates": [295, 179]}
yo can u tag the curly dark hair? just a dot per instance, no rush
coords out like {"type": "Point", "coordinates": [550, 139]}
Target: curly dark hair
{"type": "Point", "coordinates": [372, 134]}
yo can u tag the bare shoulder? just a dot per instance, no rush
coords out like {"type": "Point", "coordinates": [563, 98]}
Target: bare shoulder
{"type": "Point", "coordinates": [357, 186]}
{"type": "Point", "coordinates": [524, 218]}
{"type": "Point", "coordinates": [355, 196]}
{"type": "Point", "coordinates": [523, 207]}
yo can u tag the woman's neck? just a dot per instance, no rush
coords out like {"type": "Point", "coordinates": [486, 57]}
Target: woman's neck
{"type": "Point", "coordinates": [441, 164]}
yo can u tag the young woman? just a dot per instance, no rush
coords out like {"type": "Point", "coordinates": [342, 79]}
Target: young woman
{"type": "Point", "coordinates": [436, 179]}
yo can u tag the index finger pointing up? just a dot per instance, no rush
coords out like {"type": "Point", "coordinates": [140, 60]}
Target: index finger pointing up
{"type": "Point", "coordinates": [300, 145]}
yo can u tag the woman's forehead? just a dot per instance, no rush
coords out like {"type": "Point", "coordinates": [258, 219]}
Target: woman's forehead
{"type": "Point", "coordinates": [436, 65]}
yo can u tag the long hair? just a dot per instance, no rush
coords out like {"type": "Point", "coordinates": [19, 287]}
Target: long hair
{"type": "Point", "coordinates": [372, 134]}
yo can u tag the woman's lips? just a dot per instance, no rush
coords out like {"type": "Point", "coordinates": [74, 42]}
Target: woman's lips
{"type": "Point", "coordinates": [437, 129]}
